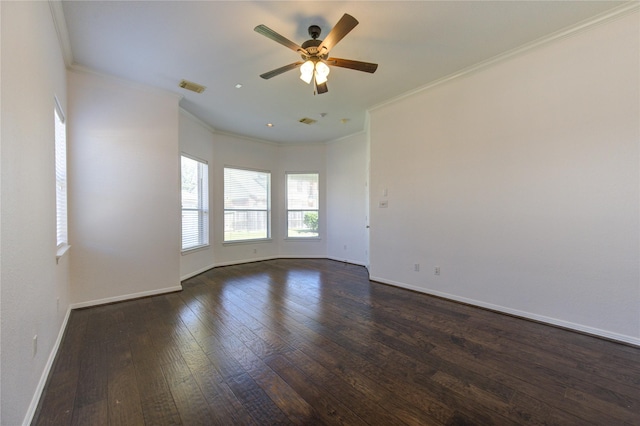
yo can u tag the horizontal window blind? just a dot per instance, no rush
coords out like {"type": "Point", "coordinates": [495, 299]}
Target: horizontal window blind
{"type": "Point", "coordinates": [195, 203]}
{"type": "Point", "coordinates": [246, 204]}
{"type": "Point", "coordinates": [61, 176]}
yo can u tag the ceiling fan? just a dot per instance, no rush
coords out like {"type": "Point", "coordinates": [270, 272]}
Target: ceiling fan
{"type": "Point", "coordinates": [315, 53]}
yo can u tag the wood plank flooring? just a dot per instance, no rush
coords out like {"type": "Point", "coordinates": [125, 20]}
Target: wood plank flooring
{"type": "Point", "coordinates": [309, 342]}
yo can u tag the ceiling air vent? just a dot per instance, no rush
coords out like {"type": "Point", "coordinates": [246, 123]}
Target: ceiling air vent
{"type": "Point", "coordinates": [190, 85]}
{"type": "Point", "coordinates": [307, 120]}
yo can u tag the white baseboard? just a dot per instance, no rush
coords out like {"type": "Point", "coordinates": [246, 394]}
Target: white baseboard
{"type": "Point", "coordinates": [518, 313]}
{"type": "Point", "coordinates": [341, 259]}
{"type": "Point", "coordinates": [33, 406]}
{"type": "Point", "coordinates": [217, 265]}
{"type": "Point", "coordinates": [125, 297]}
{"type": "Point", "coordinates": [297, 256]}
{"type": "Point", "coordinates": [259, 259]}
{"type": "Point", "coordinates": [241, 261]}
{"type": "Point", "coordinates": [198, 272]}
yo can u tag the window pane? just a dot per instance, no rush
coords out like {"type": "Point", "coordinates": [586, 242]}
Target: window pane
{"type": "Point", "coordinates": [302, 223]}
{"type": "Point", "coordinates": [302, 191]}
{"type": "Point", "coordinates": [246, 204]}
{"type": "Point", "coordinates": [195, 203]}
{"type": "Point", "coordinates": [302, 205]}
{"type": "Point", "coordinates": [246, 189]}
{"type": "Point", "coordinates": [190, 189]}
{"type": "Point", "coordinates": [245, 225]}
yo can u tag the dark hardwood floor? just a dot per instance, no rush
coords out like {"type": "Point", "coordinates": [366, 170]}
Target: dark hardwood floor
{"type": "Point", "coordinates": [315, 342]}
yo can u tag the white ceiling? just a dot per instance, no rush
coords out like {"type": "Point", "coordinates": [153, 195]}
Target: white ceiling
{"type": "Point", "coordinates": [212, 43]}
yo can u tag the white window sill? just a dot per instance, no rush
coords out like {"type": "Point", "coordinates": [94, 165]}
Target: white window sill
{"type": "Point", "coordinates": [61, 252]}
{"type": "Point", "coordinates": [302, 238]}
{"type": "Point", "coordinates": [193, 249]}
{"type": "Point", "coordinates": [256, 241]}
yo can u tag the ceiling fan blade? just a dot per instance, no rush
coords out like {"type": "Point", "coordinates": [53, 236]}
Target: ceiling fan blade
{"type": "Point", "coordinates": [269, 33]}
{"type": "Point", "coordinates": [342, 28]}
{"type": "Point", "coordinates": [267, 75]}
{"type": "Point", "coordinates": [354, 65]}
{"type": "Point", "coordinates": [321, 88]}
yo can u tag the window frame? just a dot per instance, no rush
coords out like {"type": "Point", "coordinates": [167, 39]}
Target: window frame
{"type": "Point", "coordinates": [266, 210]}
{"type": "Point", "coordinates": [288, 210]}
{"type": "Point", "coordinates": [203, 205]}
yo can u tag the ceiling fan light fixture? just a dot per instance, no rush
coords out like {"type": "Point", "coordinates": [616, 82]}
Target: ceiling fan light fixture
{"type": "Point", "coordinates": [322, 71]}
{"type": "Point", "coordinates": [306, 71]}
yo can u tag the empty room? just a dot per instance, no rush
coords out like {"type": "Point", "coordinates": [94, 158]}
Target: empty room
{"type": "Point", "coordinates": [320, 212]}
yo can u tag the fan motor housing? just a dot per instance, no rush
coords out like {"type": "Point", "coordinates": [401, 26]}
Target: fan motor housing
{"type": "Point", "coordinates": [311, 46]}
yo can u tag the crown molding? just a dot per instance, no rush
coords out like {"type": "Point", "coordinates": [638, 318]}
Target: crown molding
{"type": "Point", "coordinates": [343, 138]}
{"type": "Point", "coordinates": [223, 133]}
{"type": "Point", "coordinates": [197, 119]}
{"type": "Point", "coordinates": [60, 24]}
{"type": "Point", "coordinates": [603, 18]}
{"type": "Point", "coordinates": [247, 138]}
{"type": "Point", "coordinates": [79, 69]}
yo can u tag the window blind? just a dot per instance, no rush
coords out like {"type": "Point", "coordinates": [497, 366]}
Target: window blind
{"type": "Point", "coordinates": [195, 203]}
{"type": "Point", "coordinates": [246, 204]}
{"type": "Point", "coordinates": [61, 176]}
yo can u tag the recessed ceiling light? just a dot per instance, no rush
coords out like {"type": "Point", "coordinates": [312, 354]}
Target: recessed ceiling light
{"type": "Point", "coordinates": [269, 124]}
{"type": "Point", "coordinates": [238, 86]}
{"type": "Point", "coordinates": [344, 120]}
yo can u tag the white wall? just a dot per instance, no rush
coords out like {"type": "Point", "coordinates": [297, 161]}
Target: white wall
{"type": "Point", "coordinates": [33, 72]}
{"type": "Point", "coordinates": [346, 199]}
{"type": "Point", "coordinates": [521, 182]}
{"type": "Point", "coordinates": [124, 216]}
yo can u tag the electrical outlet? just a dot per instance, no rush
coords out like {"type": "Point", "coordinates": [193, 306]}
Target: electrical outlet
{"type": "Point", "coordinates": [416, 267]}
{"type": "Point", "coordinates": [436, 270]}
{"type": "Point", "coordinates": [345, 246]}
{"type": "Point", "coordinates": [255, 251]}
{"type": "Point", "coordinates": [35, 346]}
{"type": "Point", "coordinates": [57, 304]}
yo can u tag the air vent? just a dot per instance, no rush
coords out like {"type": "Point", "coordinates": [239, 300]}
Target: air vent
{"type": "Point", "coordinates": [307, 120]}
{"type": "Point", "coordinates": [190, 85]}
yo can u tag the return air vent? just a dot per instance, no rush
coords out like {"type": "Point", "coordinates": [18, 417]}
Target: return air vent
{"type": "Point", "coordinates": [307, 120]}
{"type": "Point", "coordinates": [190, 85]}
